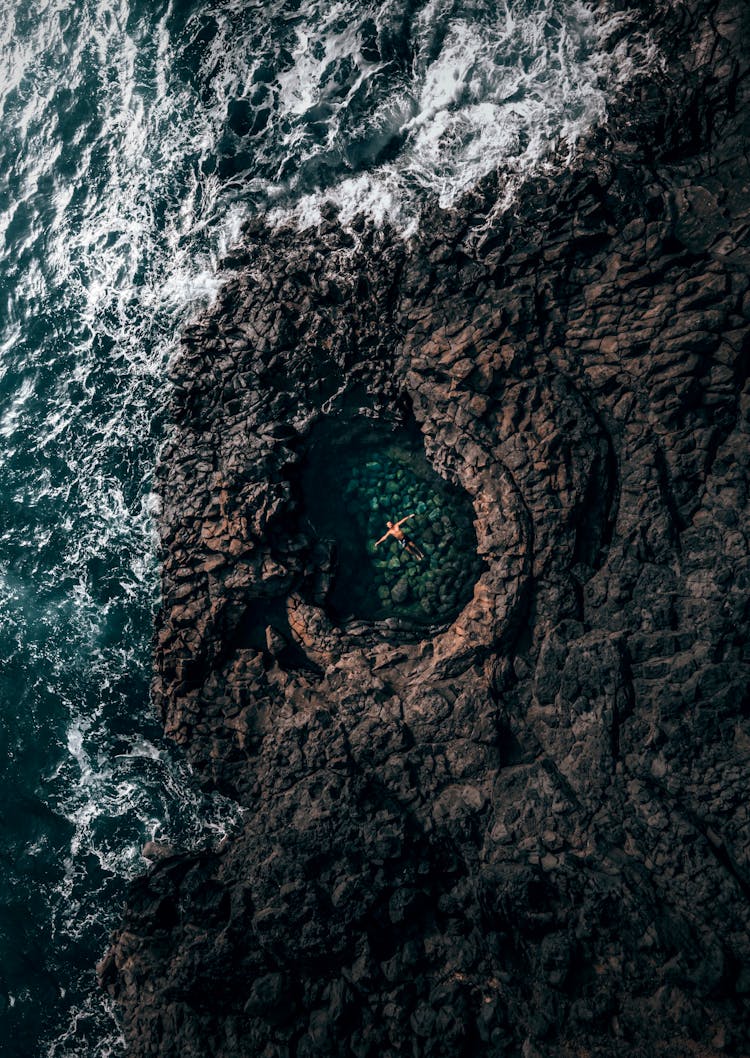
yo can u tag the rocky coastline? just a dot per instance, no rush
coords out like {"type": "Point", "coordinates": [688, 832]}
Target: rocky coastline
{"type": "Point", "coordinates": [523, 830]}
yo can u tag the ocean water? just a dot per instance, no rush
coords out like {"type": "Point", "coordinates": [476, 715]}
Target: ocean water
{"type": "Point", "coordinates": [137, 135]}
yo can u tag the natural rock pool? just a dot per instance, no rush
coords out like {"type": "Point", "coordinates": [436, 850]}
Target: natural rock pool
{"type": "Point", "coordinates": [353, 486]}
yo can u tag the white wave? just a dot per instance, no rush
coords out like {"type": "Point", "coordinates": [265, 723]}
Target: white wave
{"type": "Point", "coordinates": [90, 1033]}
{"type": "Point", "coordinates": [507, 92]}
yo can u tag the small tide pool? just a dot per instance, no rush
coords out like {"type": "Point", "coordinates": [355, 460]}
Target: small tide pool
{"type": "Point", "coordinates": [354, 483]}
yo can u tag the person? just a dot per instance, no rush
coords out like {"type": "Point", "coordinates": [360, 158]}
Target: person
{"type": "Point", "coordinates": [395, 530]}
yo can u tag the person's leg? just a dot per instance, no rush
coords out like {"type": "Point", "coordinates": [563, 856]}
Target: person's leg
{"type": "Point", "coordinates": [412, 548]}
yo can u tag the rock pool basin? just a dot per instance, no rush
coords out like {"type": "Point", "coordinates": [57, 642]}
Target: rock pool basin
{"type": "Point", "coordinates": [352, 490]}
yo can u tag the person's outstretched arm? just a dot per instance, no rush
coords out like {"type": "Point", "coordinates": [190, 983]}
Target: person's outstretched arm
{"type": "Point", "coordinates": [406, 519]}
{"type": "Point", "coordinates": [384, 537]}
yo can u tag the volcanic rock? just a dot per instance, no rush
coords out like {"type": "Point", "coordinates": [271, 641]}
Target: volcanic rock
{"type": "Point", "coordinates": [526, 833]}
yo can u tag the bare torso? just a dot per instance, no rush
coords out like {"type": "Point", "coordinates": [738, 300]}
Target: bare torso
{"type": "Point", "coordinates": [397, 533]}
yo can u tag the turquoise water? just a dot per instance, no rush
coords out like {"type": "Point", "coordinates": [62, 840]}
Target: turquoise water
{"type": "Point", "coordinates": [136, 137]}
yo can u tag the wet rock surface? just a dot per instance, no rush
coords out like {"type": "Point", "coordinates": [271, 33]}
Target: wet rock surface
{"type": "Point", "coordinates": [525, 833]}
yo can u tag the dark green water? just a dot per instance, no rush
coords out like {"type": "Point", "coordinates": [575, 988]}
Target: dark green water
{"type": "Point", "coordinates": [352, 489]}
{"type": "Point", "coordinates": [136, 136]}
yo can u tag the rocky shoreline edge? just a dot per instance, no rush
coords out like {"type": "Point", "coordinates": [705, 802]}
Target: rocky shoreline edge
{"type": "Point", "coordinates": [526, 832]}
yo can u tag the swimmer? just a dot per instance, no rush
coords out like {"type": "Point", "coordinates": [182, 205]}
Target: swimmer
{"type": "Point", "coordinates": [395, 530]}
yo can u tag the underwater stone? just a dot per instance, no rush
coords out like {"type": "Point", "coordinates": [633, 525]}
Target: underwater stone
{"type": "Point", "coordinates": [400, 591]}
{"type": "Point", "coordinates": [374, 491]}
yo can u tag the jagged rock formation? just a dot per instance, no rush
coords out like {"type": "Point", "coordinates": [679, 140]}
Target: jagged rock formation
{"type": "Point", "coordinates": [526, 833]}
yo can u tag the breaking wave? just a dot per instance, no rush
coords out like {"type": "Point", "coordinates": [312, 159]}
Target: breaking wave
{"type": "Point", "coordinates": [378, 106]}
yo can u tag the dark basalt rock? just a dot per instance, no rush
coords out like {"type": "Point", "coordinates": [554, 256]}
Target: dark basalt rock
{"type": "Point", "coordinates": [525, 833]}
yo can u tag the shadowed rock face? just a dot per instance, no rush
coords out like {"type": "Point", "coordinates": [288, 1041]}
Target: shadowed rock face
{"type": "Point", "coordinates": [525, 833]}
